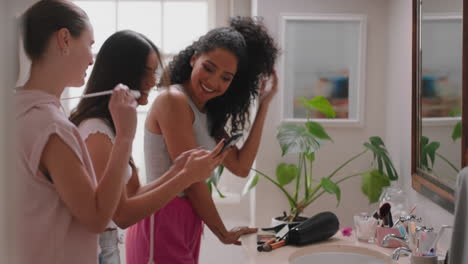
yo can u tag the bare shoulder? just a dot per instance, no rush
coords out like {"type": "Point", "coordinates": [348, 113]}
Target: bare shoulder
{"type": "Point", "coordinates": [171, 100]}
{"type": "Point", "coordinates": [171, 97]}
{"type": "Point", "coordinates": [170, 104]}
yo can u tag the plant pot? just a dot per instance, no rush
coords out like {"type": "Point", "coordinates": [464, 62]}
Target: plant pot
{"type": "Point", "coordinates": [279, 220]}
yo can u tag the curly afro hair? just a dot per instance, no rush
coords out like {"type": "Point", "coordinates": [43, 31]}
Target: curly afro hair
{"type": "Point", "coordinates": [256, 51]}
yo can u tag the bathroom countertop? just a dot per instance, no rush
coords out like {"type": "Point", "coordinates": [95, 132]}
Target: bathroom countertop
{"type": "Point", "coordinates": [284, 254]}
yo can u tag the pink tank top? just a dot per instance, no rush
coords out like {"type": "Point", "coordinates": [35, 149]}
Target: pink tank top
{"type": "Point", "coordinates": [47, 232]}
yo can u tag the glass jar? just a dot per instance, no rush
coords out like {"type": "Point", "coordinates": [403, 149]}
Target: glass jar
{"type": "Point", "coordinates": [397, 199]}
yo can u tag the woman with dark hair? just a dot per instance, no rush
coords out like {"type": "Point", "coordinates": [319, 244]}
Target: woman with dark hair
{"type": "Point", "coordinates": [131, 58]}
{"type": "Point", "coordinates": [214, 81]}
{"type": "Point", "coordinates": [60, 206]}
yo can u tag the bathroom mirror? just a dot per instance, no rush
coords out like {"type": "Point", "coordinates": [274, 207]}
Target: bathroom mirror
{"type": "Point", "coordinates": [439, 83]}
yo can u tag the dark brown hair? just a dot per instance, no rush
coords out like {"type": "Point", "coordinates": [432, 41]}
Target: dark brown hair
{"type": "Point", "coordinates": [121, 59]}
{"type": "Point", "coordinates": [44, 18]}
{"type": "Point", "coordinates": [248, 39]}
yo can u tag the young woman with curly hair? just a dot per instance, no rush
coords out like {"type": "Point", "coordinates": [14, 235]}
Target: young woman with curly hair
{"type": "Point", "coordinates": [214, 81]}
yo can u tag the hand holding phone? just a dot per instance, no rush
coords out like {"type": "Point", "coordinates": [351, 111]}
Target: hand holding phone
{"type": "Point", "coordinates": [231, 142]}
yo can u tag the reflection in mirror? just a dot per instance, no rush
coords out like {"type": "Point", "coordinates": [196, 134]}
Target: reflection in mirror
{"type": "Point", "coordinates": [438, 83]}
{"type": "Point", "coordinates": [441, 89]}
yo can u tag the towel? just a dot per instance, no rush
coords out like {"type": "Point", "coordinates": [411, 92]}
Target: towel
{"type": "Point", "coordinates": [459, 247]}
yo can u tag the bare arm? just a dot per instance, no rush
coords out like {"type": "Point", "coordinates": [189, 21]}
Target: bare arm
{"type": "Point", "coordinates": [133, 209]}
{"type": "Point", "coordinates": [239, 161]}
{"type": "Point", "coordinates": [154, 184]}
{"type": "Point", "coordinates": [142, 204]}
{"type": "Point", "coordinates": [92, 207]}
{"type": "Point", "coordinates": [179, 137]}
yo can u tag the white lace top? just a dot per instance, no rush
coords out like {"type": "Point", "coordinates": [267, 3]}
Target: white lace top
{"type": "Point", "coordinates": [97, 125]}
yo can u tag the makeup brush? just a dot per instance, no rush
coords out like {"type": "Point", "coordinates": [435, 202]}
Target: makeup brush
{"type": "Point", "coordinates": [266, 245]}
{"type": "Point", "coordinates": [385, 214]}
{"type": "Point", "coordinates": [269, 247]}
{"type": "Point", "coordinates": [376, 215]}
{"type": "Point", "coordinates": [390, 218]}
{"type": "Point", "coordinates": [135, 94]}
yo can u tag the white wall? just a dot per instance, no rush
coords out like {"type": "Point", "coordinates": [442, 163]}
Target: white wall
{"type": "Point", "coordinates": [8, 72]}
{"type": "Point", "coordinates": [4, 82]}
{"type": "Point", "coordinates": [269, 201]}
{"type": "Point", "coordinates": [398, 117]}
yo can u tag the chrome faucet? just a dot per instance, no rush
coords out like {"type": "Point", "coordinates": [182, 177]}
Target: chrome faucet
{"type": "Point", "coordinates": [399, 251]}
{"type": "Point", "coordinates": [402, 240]}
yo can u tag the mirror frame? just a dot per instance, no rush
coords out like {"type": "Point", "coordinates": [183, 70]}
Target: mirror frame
{"type": "Point", "coordinates": [423, 182]}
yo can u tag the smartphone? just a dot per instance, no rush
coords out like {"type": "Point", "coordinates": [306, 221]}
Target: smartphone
{"type": "Point", "coordinates": [231, 141]}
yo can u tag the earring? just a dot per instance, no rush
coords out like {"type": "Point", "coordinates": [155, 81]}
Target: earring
{"type": "Point", "coordinates": [191, 64]}
{"type": "Point", "coordinates": [65, 51]}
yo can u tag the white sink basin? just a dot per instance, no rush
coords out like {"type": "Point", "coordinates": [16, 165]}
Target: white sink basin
{"type": "Point", "coordinates": [337, 254]}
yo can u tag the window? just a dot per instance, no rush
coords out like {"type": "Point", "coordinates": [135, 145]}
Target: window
{"type": "Point", "coordinates": [170, 24]}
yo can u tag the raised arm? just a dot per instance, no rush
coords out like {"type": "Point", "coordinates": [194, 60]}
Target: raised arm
{"type": "Point", "coordinates": [239, 161]}
{"type": "Point", "coordinates": [93, 207]}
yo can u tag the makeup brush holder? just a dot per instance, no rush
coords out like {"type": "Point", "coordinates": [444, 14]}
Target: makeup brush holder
{"type": "Point", "coordinates": [381, 232]}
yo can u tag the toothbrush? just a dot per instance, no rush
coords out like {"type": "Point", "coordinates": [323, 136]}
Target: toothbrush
{"type": "Point", "coordinates": [412, 236]}
{"type": "Point", "coordinates": [135, 94]}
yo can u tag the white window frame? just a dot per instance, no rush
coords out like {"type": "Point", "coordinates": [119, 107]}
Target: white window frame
{"type": "Point", "coordinates": [358, 121]}
{"type": "Point", "coordinates": [212, 18]}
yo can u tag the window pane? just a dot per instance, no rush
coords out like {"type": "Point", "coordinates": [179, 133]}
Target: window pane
{"type": "Point", "coordinates": [102, 17]}
{"type": "Point", "coordinates": [184, 22]}
{"type": "Point", "coordinates": [141, 16]}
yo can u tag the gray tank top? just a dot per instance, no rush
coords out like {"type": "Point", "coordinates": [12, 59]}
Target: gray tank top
{"type": "Point", "coordinates": [157, 158]}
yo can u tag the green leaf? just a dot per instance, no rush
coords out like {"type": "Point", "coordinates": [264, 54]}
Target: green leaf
{"type": "Point", "coordinates": [252, 182]}
{"type": "Point", "coordinates": [381, 156]}
{"type": "Point", "coordinates": [430, 151]}
{"type": "Point", "coordinates": [310, 156]}
{"type": "Point", "coordinates": [457, 130]}
{"type": "Point", "coordinates": [424, 161]}
{"type": "Point", "coordinates": [320, 104]}
{"type": "Point", "coordinates": [219, 192]}
{"type": "Point", "coordinates": [424, 141]}
{"type": "Point", "coordinates": [209, 182]}
{"type": "Point", "coordinates": [286, 173]}
{"type": "Point", "coordinates": [331, 187]}
{"type": "Point", "coordinates": [217, 174]}
{"type": "Point", "coordinates": [317, 130]}
{"type": "Point", "coordinates": [377, 141]}
{"type": "Point", "coordinates": [295, 138]}
{"type": "Point", "coordinates": [291, 200]}
{"type": "Point", "coordinates": [372, 184]}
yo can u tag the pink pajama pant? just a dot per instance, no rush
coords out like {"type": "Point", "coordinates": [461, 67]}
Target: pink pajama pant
{"type": "Point", "coordinates": [177, 235]}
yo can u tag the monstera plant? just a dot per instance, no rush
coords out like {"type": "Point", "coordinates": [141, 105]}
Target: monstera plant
{"type": "Point", "coordinates": [304, 141]}
{"type": "Point", "coordinates": [429, 148]}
